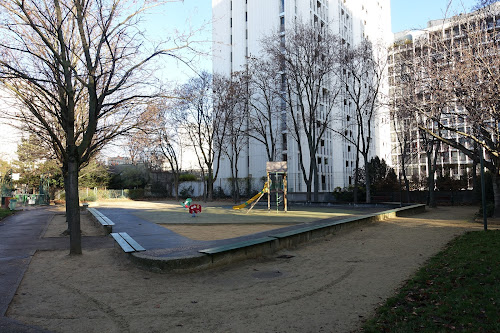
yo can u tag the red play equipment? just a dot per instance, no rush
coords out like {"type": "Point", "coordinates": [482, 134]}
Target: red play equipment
{"type": "Point", "coordinates": [194, 209]}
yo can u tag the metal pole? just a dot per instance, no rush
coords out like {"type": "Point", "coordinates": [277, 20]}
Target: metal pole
{"type": "Point", "coordinates": [483, 189]}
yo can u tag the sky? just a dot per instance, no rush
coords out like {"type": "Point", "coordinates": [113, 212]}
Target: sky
{"type": "Point", "coordinates": [182, 17]}
{"type": "Point", "coordinates": [411, 14]}
{"type": "Point", "coordinates": [405, 14]}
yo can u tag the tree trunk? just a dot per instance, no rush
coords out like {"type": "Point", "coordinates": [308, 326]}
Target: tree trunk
{"type": "Point", "coordinates": [236, 174]}
{"type": "Point", "coordinates": [476, 184]}
{"type": "Point", "coordinates": [356, 180]}
{"type": "Point", "coordinates": [210, 188]}
{"type": "Point", "coordinates": [176, 186]}
{"type": "Point", "coordinates": [205, 181]}
{"type": "Point", "coordinates": [430, 181]}
{"type": "Point", "coordinates": [407, 185]}
{"type": "Point", "coordinates": [316, 182]}
{"type": "Point", "coordinates": [496, 193]}
{"type": "Point", "coordinates": [308, 190]}
{"type": "Point", "coordinates": [367, 180]}
{"type": "Point", "coordinates": [73, 206]}
{"type": "Point", "coordinates": [405, 178]}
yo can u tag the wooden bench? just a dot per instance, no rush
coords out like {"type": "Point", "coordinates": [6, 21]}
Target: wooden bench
{"type": "Point", "coordinates": [127, 243]}
{"type": "Point", "coordinates": [237, 245]}
{"type": "Point", "coordinates": [102, 219]}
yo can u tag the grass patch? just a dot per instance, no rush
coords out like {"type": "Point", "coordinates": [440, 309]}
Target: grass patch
{"type": "Point", "coordinates": [457, 291]}
{"type": "Point", "coordinates": [5, 213]}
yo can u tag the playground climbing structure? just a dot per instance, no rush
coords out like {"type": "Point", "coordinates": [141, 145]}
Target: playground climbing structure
{"type": "Point", "coordinates": [276, 184]}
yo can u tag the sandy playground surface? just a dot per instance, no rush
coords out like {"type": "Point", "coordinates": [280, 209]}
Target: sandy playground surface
{"type": "Point", "coordinates": [330, 285]}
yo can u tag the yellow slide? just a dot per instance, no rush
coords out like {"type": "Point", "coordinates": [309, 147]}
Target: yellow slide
{"type": "Point", "coordinates": [252, 199]}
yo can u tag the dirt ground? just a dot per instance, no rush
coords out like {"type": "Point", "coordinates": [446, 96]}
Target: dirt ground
{"type": "Point", "coordinates": [59, 225]}
{"type": "Point", "coordinates": [330, 285]}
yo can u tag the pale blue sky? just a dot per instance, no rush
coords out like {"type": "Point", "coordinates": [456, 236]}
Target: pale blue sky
{"type": "Point", "coordinates": [411, 14]}
{"type": "Point", "coordinates": [406, 14]}
{"type": "Point", "coordinates": [194, 14]}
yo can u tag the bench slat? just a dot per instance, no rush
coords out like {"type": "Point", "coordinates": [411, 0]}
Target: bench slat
{"type": "Point", "coordinates": [100, 217]}
{"type": "Point", "coordinates": [124, 245]}
{"type": "Point", "coordinates": [108, 221]}
{"type": "Point", "coordinates": [132, 242]}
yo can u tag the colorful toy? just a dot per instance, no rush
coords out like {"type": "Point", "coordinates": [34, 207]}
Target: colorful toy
{"type": "Point", "coordinates": [187, 203]}
{"type": "Point", "coordinates": [194, 209]}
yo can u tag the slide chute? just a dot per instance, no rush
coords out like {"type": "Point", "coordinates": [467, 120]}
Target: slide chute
{"type": "Point", "coordinates": [252, 199]}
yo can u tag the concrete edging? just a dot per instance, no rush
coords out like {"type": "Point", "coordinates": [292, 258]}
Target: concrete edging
{"type": "Point", "coordinates": [276, 242]}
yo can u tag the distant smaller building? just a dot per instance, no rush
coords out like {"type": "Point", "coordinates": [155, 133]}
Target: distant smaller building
{"type": "Point", "coordinates": [118, 160]}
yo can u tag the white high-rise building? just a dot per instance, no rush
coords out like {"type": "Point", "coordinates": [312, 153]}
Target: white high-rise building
{"type": "Point", "coordinates": [238, 28]}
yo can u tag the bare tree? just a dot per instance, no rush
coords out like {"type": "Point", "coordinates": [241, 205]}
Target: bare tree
{"type": "Point", "coordinates": [362, 75]}
{"type": "Point", "coordinates": [264, 103]}
{"type": "Point", "coordinates": [307, 60]}
{"type": "Point", "coordinates": [401, 123]}
{"type": "Point", "coordinates": [79, 70]}
{"type": "Point", "coordinates": [158, 142]}
{"type": "Point", "coordinates": [232, 104]}
{"type": "Point", "coordinates": [170, 145]}
{"type": "Point", "coordinates": [469, 64]}
{"type": "Point", "coordinates": [201, 116]}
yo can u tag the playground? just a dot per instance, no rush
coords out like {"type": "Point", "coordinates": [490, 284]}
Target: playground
{"type": "Point", "coordinates": [267, 210]}
{"type": "Point", "coordinates": [328, 285]}
{"type": "Point", "coordinates": [218, 220]}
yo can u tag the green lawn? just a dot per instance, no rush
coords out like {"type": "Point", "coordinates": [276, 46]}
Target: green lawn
{"type": "Point", "coordinates": [5, 213]}
{"type": "Point", "coordinates": [457, 291]}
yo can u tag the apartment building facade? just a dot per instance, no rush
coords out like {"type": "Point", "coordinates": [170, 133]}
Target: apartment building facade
{"type": "Point", "coordinates": [238, 28]}
{"type": "Point", "coordinates": [414, 47]}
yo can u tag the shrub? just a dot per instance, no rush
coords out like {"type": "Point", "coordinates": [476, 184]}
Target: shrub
{"type": "Point", "coordinates": [187, 192]}
{"type": "Point", "coordinates": [490, 210]}
{"type": "Point", "coordinates": [136, 194]}
{"type": "Point", "coordinates": [89, 198]}
{"type": "Point", "coordinates": [219, 193]}
{"type": "Point", "coordinates": [187, 177]}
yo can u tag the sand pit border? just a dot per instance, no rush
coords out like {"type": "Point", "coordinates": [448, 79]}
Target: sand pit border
{"type": "Point", "coordinates": [238, 251]}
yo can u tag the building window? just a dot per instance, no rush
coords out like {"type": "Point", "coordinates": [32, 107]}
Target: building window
{"type": "Point", "coordinates": [346, 164]}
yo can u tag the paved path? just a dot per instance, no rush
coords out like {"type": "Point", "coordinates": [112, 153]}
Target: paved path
{"type": "Point", "coordinates": [20, 238]}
